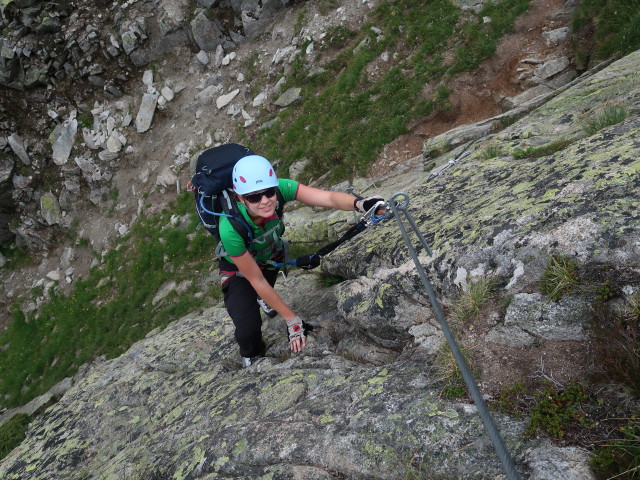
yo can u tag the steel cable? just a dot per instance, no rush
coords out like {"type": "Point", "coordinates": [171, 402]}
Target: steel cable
{"type": "Point", "coordinates": [399, 202]}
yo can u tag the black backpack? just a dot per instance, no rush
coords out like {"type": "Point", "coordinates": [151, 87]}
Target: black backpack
{"type": "Point", "coordinates": [213, 190]}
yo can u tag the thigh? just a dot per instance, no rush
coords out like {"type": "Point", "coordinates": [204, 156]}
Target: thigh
{"type": "Point", "coordinates": [240, 300]}
{"type": "Point", "coordinates": [271, 276]}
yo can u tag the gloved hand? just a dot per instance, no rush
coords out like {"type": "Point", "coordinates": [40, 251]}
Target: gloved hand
{"type": "Point", "coordinates": [297, 338]}
{"type": "Point", "coordinates": [365, 204]}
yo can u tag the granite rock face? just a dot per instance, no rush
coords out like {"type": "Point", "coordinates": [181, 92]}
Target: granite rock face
{"type": "Point", "coordinates": [177, 405]}
{"type": "Point", "coordinates": [505, 215]}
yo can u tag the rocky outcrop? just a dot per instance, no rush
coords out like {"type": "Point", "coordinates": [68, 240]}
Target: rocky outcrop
{"type": "Point", "coordinates": [177, 404]}
{"type": "Point", "coordinates": [543, 185]}
{"type": "Point", "coordinates": [46, 43]}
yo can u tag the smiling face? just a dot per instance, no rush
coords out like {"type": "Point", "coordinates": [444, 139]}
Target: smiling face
{"type": "Point", "coordinates": [261, 204]}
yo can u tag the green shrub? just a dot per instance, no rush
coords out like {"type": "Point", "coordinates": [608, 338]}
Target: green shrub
{"type": "Point", "coordinates": [557, 409]}
{"type": "Point", "coordinates": [12, 433]}
{"type": "Point", "coordinates": [17, 257]}
{"type": "Point", "coordinates": [511, 400]}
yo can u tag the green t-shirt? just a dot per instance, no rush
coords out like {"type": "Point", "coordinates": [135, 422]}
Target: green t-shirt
{"type": "Point", "coordinates": [266, 240]}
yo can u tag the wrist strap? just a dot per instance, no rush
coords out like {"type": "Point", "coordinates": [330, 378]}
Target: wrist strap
{"type": "Point", "coordinates": [356, 200]}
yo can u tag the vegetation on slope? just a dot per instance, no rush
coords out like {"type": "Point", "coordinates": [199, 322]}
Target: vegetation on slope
{"type": "Point", "coordinates": [110, 309]}
{"type": "Point", "coordinates": [349, 114]}
{"type": "Point", "coordinates": [612, 28]}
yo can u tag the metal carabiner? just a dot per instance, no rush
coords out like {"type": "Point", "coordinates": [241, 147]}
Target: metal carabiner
{"type": "Point", "coordinates": [370, 217]}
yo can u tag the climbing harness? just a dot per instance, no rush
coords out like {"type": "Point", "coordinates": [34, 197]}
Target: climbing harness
{"type": "Point", "coordinates": [399, 203]}
{"type": "Point", "coordinates": [308, 262]}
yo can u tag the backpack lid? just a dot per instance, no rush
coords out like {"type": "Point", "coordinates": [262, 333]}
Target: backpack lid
{"type": "Point", "coordinates": [215, 166]}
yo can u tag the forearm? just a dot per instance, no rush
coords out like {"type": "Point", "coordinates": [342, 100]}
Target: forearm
{"type": "Point", "coordinates": [325, 198]}
{"type": "Point", "coordinates": [269, 295]}
{"type": "Point", "coordinates": [342, 201]}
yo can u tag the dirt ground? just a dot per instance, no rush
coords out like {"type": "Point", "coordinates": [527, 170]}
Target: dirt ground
{"type": "Point", "coordinates": [477, 95]}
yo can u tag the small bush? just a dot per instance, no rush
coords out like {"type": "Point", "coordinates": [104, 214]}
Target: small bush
{"type": "Point", "coordinates": [609, 115]}
{"type": "Point", "coordinates": [12, 433]}
{"type": "Point", "coordinates": [557, 410]}
{"type": "Point", "coordinates": [559, 278]}
{"type": "Point", "coordinates": [511, 400]}
{"type": "Point", "coordinates": [17, 257]}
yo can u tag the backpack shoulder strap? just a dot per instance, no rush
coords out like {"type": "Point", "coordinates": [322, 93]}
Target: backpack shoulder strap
{"type": "Point", "coordinates": [280, 204]}
{"type": "Point", "coordinates": [230, 208]}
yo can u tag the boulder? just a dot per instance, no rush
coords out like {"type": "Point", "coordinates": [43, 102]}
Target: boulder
{"type": "Point", "coordinates": [289, 97]}
{"type": "Point", "coordinates": [50, 208]}
{"type": "Point", "coordinates": [206, 33]}
{"type": "Point", "coordinates": [63, 139]}
{"type": "Point", "coordinates": [17, 145]}
{"type": "Point", "coordinates": [146, 111]}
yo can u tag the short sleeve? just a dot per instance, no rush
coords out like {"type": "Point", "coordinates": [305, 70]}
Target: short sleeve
{"type": "Point", "coordinates": [288, 188]}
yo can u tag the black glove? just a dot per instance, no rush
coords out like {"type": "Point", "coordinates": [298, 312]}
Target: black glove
{"type": "Point", "coordinates": [365, 204]}
{"type": "Point", "coordinates": [308, 261]}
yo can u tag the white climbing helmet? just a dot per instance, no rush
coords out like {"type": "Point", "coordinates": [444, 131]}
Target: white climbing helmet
{"type": "Point", "coordinates": [253, 173]}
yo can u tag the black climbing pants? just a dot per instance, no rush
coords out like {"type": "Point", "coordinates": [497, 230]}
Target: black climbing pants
{"type": "Point", "coordinates": [240, 299]}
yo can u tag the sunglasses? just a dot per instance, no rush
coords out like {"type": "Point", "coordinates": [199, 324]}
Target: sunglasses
{"type": "Point", "coordinates": [257, 196]}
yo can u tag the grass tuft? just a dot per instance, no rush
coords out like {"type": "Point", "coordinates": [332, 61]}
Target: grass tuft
{"type": "Point", "coordinates": [470, 304]}
{"type": "Point", "coordinates": [620, 458]}
{"type": "Point", "coordinates": [541, 151]}
{"type": "Point", "coordinates": [607, 116]}
{"type": "Point", "coordinates": [449, 372]}
{"type": "Point", "coordinates": [491, 151]}
{"type": "Point", "coordinates": [616, 336]}
{"type": "Point", "coordinates": [559, 278]}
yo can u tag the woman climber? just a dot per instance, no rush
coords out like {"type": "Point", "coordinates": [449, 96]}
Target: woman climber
{"type": "Point", "coordinates": [247, 281]}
